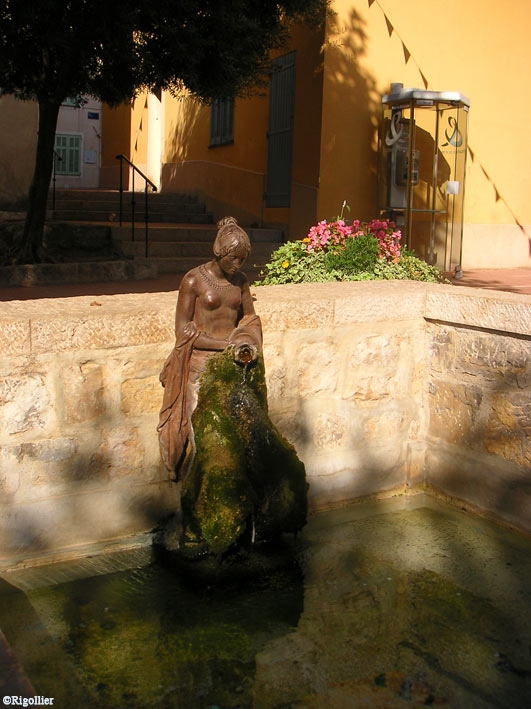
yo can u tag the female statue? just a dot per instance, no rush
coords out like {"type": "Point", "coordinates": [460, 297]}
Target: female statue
{"type": "Point", "coordinates": [214, 311]}
{"type": "Point", "coordinates": [239, 477]}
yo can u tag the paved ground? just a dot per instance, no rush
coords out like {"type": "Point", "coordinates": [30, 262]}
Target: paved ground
{"type": "Point", "coordinates": [517, 280]}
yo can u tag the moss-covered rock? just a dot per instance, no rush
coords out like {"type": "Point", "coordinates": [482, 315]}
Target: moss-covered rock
{"type": "Point", "coordinates": [246, 483]}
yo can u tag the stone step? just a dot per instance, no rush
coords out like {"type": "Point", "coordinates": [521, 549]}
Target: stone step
{"type": "Point", "coordinates": [104, 205]}
{"type": "Point", "coordinates": [183, 264]}
{"type": "Point", "coordinates": [195, 249]}
{"type": "Point", "coordinates": [170, 216]}
{"type": "Point", "coordinates": [180, 231]}
{"type": "Point", "coordinates": [191, 233]}
{"type": "Point", "coordinates": [114, 196]}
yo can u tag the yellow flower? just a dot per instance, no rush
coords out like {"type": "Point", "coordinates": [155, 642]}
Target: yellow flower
{"type": "Point", "coordinates": [306, 240]}
{"type": "Point", "coordinates": [285, 264]}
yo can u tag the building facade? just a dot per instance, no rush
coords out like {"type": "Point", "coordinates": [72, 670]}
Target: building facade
{"type": "Point", "coordinates": [292, 155]}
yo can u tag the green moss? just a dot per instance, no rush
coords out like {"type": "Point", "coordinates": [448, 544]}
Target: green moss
{"type": "Point", "coordinates": [244, 473]}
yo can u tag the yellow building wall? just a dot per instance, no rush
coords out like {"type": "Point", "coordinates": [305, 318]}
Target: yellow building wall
{"type": "Point", "coordinates": [228, 178]}
{"type": "Point", "coordinates": [478, 49]}
{"type": "Point", "coordinates": [116, 140]}
{"type": "Point", "coordinates": [18, 142]}
{"type": "Point", "coordinates": [231, 178]}
{"type": "Point", "coordinates": [125, 132]}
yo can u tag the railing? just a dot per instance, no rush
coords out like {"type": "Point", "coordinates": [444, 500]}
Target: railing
{"type": "Point", "coordinates": [56, 157]}
{"type": "Point", "coordinates": [147, 184]}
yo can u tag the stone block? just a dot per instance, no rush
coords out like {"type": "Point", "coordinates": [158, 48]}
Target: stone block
{"type": "Point", "coordinates": [508, 433]}
{"type": "Point", "coordinates": [48, 463]}
{"type": "Point", "coordinates": [319, 365]}
{"type": "Point", "coordinates": [120, 453]}
{"type": "Point", "coordinates": [331, 431]}
{"type": "Point", "coordinates": [366, 389]}
{"type": "Point", "coordinates": [15, 337]}
{"type": "Point", "coordinates": [487, 483]}
{"type": "Point", "coordinates": [494, 311]}
{"type": "Point", "coordinates": [48, 450]}
{"type": "Point", "coordinates": [142, 395]}
{"type": "Point", "coordinates": [299, 313]}
{"type": "Point", "coordinates": [378, 301]}
{"type": "Point", "coordinates": [454, 409]}
{"type": "Point", "coordinates": [388, 426]}
{"type": "Point", "coordinates": [84, 395]}
{"type": "Point", "coordinates": [10, 470]}
{"type": "Point", "coordinates": [499, 358]}
{"type": "Point", "coordinates": [25, 403]}
{"type": "Point", "coordinates": [441, 348]}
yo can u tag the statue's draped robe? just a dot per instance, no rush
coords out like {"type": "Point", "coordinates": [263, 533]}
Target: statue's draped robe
{"type": "Point", "coordinates": [179, 377]}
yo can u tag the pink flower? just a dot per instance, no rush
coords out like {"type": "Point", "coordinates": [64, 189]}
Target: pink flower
{"type": "Point", "coordinates": [326, 234]}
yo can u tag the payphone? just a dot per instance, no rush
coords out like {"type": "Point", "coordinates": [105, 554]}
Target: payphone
{"type": "Point", "coordinates": [422, 151]}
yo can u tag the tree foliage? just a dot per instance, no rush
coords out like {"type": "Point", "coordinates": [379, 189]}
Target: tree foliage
{"type": "Point", "coordinates": [111, 49]}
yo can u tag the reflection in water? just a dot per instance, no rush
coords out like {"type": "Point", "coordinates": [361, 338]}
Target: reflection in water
{"type": "Point", "coordinates": [426, 605]}
{"type": "Point", "coordinates": [140, 638]}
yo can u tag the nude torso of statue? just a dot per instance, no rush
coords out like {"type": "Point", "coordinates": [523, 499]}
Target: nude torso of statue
{"type": "Point", "coordinates": [214, 303]}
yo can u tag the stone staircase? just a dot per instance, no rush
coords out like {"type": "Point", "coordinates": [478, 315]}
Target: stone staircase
{"type": "Point", "coordinates": [180, 231]}
{"type": "Point", "coordinates": [104, 206]}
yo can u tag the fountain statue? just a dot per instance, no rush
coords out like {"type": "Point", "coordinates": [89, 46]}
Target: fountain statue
{"type": "Point", "coordinates": [241, 481]}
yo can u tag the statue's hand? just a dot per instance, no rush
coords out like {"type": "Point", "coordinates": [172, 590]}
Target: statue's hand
{"type": "Point", "coordinates": [244, 353]}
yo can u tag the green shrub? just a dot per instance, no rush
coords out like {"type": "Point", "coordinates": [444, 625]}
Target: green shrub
{"type": "Point", "coordinates": [292, 263]}
{"type": "Point", "coordinates": [356, 256]}
{"type": "Point", "coordinates": [334, 251]}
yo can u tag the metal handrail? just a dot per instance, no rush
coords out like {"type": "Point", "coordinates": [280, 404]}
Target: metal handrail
{"type": "Point", "coordinates": [147, 182]}
{"type": "Point", "coordinates": [56, 157]}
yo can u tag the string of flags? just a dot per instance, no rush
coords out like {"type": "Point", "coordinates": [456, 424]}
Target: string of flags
{"type": "Point", "coordinates": [407, 57]}
{"type": "Point", "coordinates": [390, 30]}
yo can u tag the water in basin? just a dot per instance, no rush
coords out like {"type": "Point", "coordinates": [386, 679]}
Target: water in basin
{"type": "Point", "coordinates": [402, 602]}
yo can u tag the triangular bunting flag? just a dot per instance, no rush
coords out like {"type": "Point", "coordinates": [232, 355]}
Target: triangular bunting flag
{"type": "Point", "coordinates": [407, 53]}
{"type": "Point", "coordinates": [472, 156]}
{"type": "Point", "coordinates": [497, 194]}
{"type": "Point", "coordinates": [370, 2]}
{"type": "Point", "coordinates": [390, 27]}
{"type": "Point", "coordinates": [424, 80]}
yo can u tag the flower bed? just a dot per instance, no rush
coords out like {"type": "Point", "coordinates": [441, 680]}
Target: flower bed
{"type": "Point", "coordinates": [337, 251]}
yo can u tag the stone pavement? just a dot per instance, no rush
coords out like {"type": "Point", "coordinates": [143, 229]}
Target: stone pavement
{"type": "Point", "coordinates": [513, 280]}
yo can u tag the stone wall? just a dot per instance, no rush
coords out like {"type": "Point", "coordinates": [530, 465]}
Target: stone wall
{"type": "Point", "coordinates": [479, 397]}
{"type": "Point", "coordinates": [380, 386]}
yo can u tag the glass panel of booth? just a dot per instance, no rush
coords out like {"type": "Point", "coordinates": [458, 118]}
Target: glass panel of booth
{"type": "Point", "coordinates": [422, 156]}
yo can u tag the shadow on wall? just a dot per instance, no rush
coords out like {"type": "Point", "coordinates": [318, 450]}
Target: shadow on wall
{"type": "Point", "coordinates": [346, 147]}
{"type": "Point", "coordinates": [479, 435]}
{"type": "Point", "coordinates": [187, 121]}
{"type": "Point", "coordinates": [349, 153]}
{"type": "Point", "coordinates": [82, 494]}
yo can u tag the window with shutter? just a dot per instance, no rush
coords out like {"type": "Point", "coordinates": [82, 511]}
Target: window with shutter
{"type": "Point", "coordinates": [68, 149]}
{"type": "Point", "coordinates": [221, 122]}
{"type": "Point", "coordinates": [280, 131]}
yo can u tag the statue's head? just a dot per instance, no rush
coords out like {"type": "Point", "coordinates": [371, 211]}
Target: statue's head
{"type": "Point", "coordinates": [230, 238]}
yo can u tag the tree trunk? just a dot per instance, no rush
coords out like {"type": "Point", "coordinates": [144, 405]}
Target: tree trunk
{"type": "Point", "coordinates": [32, 245]}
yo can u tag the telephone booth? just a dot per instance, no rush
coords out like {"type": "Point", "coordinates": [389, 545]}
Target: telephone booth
{"type": "Point", "coordinates": [422, 161]}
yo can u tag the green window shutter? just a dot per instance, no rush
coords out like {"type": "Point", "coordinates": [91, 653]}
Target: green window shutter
{"type": "Point", "coordinates": [280, 131]}
{"type": "Point", "coordinates": [68, 149]}
{"type": "Point", "coordinates": [221, 122]}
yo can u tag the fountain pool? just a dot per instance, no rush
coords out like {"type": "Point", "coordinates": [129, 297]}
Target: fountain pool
{"type": "Point", "coordinates": [406, 601]}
